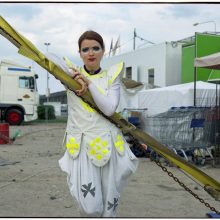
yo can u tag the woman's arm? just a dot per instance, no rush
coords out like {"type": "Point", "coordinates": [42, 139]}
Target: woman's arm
{"type": "Point", "coordinates": [106, 103]}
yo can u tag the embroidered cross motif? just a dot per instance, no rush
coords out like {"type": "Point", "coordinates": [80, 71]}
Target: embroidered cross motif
{"type": "Point", "coordinates": [113, 205]}
{"type": "Point", "coordinates": [87, 188]}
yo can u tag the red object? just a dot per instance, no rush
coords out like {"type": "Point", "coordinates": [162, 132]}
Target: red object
{"type": "Point", "coordinates": [4, 133]}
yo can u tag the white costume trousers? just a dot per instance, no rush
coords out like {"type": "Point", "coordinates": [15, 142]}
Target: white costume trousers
{"type": "Point", "coordinates": [98, 189]}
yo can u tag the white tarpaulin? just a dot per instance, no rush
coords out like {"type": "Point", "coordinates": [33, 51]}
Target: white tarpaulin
{"type": "Point", "coordinates": [160, 100]}
{"type": "Point", "coordinates": [211, 61]}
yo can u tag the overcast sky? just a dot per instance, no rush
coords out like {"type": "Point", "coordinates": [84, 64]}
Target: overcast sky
{"type": "Point", "coordinates": [61, 24]}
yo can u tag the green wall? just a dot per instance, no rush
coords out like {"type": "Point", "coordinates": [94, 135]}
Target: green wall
{"type": "Point", "coordinates": [188, 63]}
{"type": "Point", "coordinates": [206, 44]}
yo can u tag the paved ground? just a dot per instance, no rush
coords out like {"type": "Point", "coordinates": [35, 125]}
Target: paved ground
{"type": "Point", "coordinates": [32, 184]}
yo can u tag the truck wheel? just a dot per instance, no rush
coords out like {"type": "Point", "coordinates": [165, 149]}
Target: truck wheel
{"type": "Point", "coordinates": [14, 117]}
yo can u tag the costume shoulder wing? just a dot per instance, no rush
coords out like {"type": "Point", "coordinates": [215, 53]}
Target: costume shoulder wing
{"type": "Point", "coordinates": [57, 60]}
{"type": "Point", "coordinates": [114, 71]}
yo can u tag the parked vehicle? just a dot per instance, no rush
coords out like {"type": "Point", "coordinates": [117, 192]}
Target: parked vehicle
{"type": "Point", "coordinates": [18, 93]}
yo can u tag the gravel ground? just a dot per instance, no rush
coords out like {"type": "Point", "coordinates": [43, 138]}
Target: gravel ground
{"type": "Point", "coordinates": [32, 184]}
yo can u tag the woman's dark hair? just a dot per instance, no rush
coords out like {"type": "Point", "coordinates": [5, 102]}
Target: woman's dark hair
{"type": "Point", "coordinates": [91, 35]}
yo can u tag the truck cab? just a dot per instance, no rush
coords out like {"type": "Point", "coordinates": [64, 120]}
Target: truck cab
{"type": "Point", "coordinates": [18, 93]}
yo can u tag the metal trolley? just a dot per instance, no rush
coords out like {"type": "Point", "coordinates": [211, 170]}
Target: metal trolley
{"type": "Point", "coordinates": [186, 130]}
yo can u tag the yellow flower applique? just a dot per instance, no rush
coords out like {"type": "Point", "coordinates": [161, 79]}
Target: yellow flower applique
{"type": "Point", "coordinates": [99, 148]}
{"type": "Point", "coordinates": [119, 144]}
{"type": "Point", "coordinates": [72, 146]}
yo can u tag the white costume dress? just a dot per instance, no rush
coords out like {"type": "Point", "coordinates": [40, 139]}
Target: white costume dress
{"type": "Point", "coordinates": [98, 161]}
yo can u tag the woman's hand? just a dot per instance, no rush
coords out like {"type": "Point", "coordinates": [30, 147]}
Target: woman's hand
{"type": "Point", "coordinates": [82, 80]}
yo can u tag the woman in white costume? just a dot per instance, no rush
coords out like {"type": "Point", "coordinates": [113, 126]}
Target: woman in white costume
{"type": "Point", "coordinates": [98, 161]}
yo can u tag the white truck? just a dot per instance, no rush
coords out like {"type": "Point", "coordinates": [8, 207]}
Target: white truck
{"type": "Point", "coordinates": [18, 93]}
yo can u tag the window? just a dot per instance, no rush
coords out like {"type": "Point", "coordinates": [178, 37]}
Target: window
{"type": "Point", "coordinates": [129, 72]}
{"type": "Point", "coordinates": [151, 76]}
{"type": "Point", "coordinates": [26, 82]}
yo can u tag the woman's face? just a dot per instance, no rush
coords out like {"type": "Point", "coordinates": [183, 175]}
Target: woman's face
{"type": "Point", "coordinates": [91, 53]}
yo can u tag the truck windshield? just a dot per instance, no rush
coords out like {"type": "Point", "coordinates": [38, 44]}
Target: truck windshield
{"type": "Point", "coordinates": [26, 82]}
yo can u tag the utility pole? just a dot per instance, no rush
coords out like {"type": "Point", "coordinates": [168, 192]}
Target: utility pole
{"type": "Point", "coordinates": [47, 90]}
{"type": "Point", "coordinates": [141, 38]}
{"type": "Point", "coordinates": [135, 35]}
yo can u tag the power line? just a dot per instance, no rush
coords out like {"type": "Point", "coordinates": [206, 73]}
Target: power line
{"type": "Point", "coordinates": [141, 38]}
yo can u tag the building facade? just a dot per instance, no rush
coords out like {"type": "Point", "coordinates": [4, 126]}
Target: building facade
{"type": "Point", "coordinates": [55, 97]}
{"type": "Point", "coordinates": [158, 65]}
